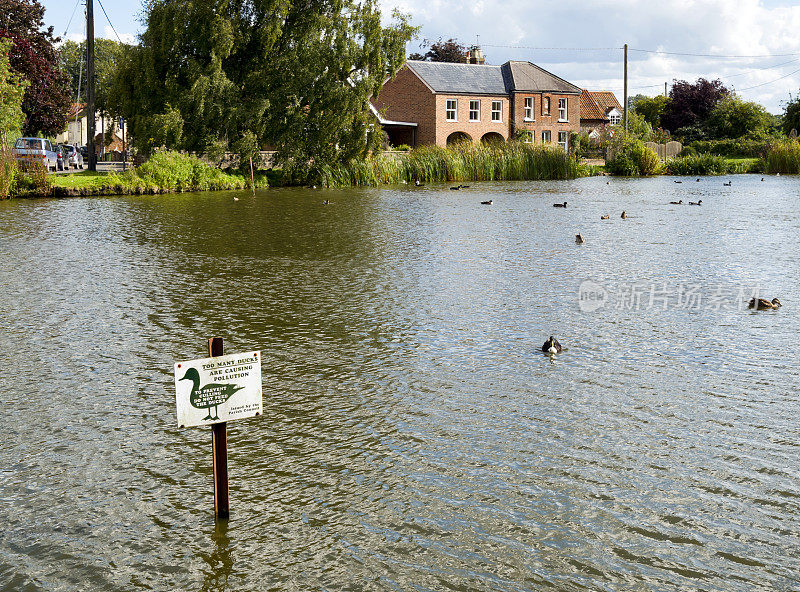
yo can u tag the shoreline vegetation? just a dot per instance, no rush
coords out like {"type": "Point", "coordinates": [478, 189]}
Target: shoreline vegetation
{"type": "Point", "coordinates": [173, 172]}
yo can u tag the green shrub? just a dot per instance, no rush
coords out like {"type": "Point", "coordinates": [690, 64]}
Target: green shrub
{"type": "Point", "coordinates": [783, 157]}
{"type": "Point", "coordinates": [9, 174]}
{"type": "Point", "coordinates": [704, 164]}
{"type": "Point", "coordinates": [630, 158]}
{"type": "Point", "coordinates": [746, 147]}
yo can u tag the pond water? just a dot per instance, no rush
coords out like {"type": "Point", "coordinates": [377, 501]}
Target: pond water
{"type": "Point", "coordinates": [414, 437]}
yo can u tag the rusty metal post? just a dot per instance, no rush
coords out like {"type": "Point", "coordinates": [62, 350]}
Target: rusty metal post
{"type": "Point", "coordinates": [219, 445]}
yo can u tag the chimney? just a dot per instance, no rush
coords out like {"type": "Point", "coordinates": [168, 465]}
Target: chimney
{"type": "Point", "coordinates": [475, 55]}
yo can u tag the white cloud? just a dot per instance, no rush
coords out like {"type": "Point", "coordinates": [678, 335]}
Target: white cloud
{"type": "Point", "coordinates": [720, 27]}
{"type": "Point", "coordinates": [109, 33]}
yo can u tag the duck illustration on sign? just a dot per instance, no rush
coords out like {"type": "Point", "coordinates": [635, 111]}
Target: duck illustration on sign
{"type": "Point", "coordinates": [211, 395]}
{"type": "Point", "coordinates": [223, 388]}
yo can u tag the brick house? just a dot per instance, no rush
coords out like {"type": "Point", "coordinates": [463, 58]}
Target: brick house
{"type": "Point", "coordinates": [599, 109]}
{"type": "Point", "coordinates": [441, 103]}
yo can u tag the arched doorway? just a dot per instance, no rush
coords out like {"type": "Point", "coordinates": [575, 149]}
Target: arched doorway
{"type": "Point", "coordinates": [492, 138]}
{"type": "Point", "coordinates": [458, 138]}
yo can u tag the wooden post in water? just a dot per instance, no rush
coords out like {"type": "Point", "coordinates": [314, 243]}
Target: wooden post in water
{"type": "Point", "coordinates": [219, 445]}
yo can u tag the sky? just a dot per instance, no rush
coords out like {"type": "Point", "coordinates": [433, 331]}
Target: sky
{"type": "Point", "coordinates": [751, 45]}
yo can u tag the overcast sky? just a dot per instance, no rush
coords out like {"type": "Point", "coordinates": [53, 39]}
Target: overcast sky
{"type": "Point", "coordinates": [581, 40]}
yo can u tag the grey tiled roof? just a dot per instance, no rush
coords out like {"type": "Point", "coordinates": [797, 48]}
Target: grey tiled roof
{"type": "Point", "coordinates": [530, 77]}
{"type": "Point", "coordinates": [446, 77]}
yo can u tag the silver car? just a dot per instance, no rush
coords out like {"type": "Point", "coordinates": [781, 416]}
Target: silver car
{"type": "Point", "coordinates": [28, 150]}
{"type": "Point", "coordinates": [72, 157]}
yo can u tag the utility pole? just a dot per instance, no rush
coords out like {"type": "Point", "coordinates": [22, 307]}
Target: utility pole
{"type": "Point", "coordinates": [625, 104]}
{"type": "Point", "coordinates": [90, 84]}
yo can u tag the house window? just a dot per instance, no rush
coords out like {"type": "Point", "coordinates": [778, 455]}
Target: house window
{"type": "Point", "coordinates": [546, 137]}
{"type": "Point", "coordinates": [474, 110]}
{"type": "Point", "coordinates": [452, 110]}
{"type": "Point", "coordinates": [497, 111]}
{"type": "Point", "coordinates": [562, 110]}
{"type": "Point", "coordinates": [528, 108]}
{"type": "Point", "coordinates": [545, 105]}
{"type": "Point", "coordinates": [562, 140]}
{"type": "Point", "coordinates": [614, 117]}
{"type": "Point", "coordinates": [527, 137]}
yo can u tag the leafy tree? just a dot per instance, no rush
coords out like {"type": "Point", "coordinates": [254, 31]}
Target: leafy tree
{"type": "Point", "coordinates": [249, 73]}
{"type": "Point", "coordinates": [638, 127]}
{"type": "Point", "coordinates": [33, 56]}
{"type": "Point", "coordinates": [441, 51]}
{"type": "Point", "coordinates": [650, 108]}
{"type": "Point", "coordinates": [108, 54]}
{"type": "Point", "coordinates": [691, 104]}
{"type": "Point", "coordinates": [791, 116]}
{"type": "Point", "coordinates": [12, 92]}
{"type": "Point", "coordinates": [732, 117]}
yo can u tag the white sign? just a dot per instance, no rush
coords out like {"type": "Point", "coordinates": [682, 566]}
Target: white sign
{"type": "Point", "coordinates": [213, 390]}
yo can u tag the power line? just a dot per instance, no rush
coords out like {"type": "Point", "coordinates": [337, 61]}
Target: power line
{"type": "Point", "coordinates": [714, 55]}
{"type": "Point", "coordinates": [71, 17]}
{"type": "Point", "coordinates": [109, 20]}
{"type": "Point", "coordinates": [771, 81]}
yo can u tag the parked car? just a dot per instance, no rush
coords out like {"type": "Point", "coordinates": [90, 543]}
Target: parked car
{"type": "Point", "coordinates": [73, 156]}
{"type": "Point", "coordinates": [84, 152]}
{"type": "Point", "coordinates": [62, 157]}
{"type": "Point", "coordinates": [28, 150]}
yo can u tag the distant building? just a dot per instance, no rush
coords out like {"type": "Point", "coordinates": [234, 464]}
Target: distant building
{"type": "Point", "coordinates": [598, 110]}
{"type": "Point", "coordinates": [441, 103]}
{"type": "Point", "coordinates": [77, 131]}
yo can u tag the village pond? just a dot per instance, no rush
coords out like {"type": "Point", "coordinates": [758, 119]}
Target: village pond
{"type": "Point", "coordinates": [414, 437]}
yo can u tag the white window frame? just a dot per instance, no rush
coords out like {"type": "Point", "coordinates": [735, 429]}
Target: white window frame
{"type": "Point", "coordinates": [566, 139]}
{"type": "Point", "coordinates": [563, 113]}
{"type": "Point", "coordinates": [529, 109]}
{"type": "Point", "coordinates": [547, 137]}
{"type": "Point", "coordinates": [614, 118]}
{"type": "Point", "coordinates": [546, 101]}
{"type": "Point", "coordinates": [476, 110]}
{"type": "Point", "coordinates": [448, 110]}
{"type": "Point", "coordinates": [529, 137]}
{"type": "Point", "coordinates": [497, 114]}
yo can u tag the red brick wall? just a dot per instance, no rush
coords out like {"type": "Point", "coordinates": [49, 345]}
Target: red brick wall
{"type": "Point", "coordinates": [406, 98]}
{"type": "Point", "coordinates": [474, 129]}
{"type": "Point", "coordinates": [547, 122]}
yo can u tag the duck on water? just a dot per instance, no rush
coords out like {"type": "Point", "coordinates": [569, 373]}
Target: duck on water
{"type": "Point", "coordinates": [551, 346]}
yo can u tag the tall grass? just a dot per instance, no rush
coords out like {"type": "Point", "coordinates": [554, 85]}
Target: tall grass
{"type": "Point", "coordinates": [783, 157]}
{"type": "Point", "coordinates": [9, 173]}
{"type": "Point", "coordinates": [704, 164]}
{"type": "Point", "coordinates": [463, 162]}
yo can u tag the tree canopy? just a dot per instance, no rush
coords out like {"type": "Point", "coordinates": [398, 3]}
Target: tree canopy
{"type": "Point", "coordinates": [441, 51]}
{"type": "Point", "coordinates": [733, 117]}
{"type": "Point", "coordinates": [650, 108]}
{"type": "Point", "coordinates": [72, 57]}
{"type": "Point", "coordinates": [690, 104]}
{"type": "Point", "coordinates": [33, 56]}
{"type": "Point", "coordinates": [791, 116]}
{"type": "Point", "coordinates": [12, 92]}
{"type": "Point", "coordinates": [244, 74]}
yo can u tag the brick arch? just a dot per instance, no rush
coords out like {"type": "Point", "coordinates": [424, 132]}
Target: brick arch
{"type": "Point", "coordinates": [458, 137]}
{"type": "Point", "coordinates": [492, 138]}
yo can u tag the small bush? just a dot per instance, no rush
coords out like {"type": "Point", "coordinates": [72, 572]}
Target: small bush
{"type": "Point", "coordinates": [783, 157]}
{"type": "Point", "coordinates": [630, 158]}
{"type": "Point", "coordinates": [704, 164]}
{"type": "Point", "coordinates": [9, 174]}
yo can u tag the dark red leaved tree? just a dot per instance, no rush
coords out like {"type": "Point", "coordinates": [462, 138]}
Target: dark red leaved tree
{"type": "Point", "coordinates": [690, 104]}
{"type": "Point", "coordinates": [47, 99]}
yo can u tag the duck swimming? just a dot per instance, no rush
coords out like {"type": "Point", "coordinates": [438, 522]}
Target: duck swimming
{"type": "Point", "coordinates": [487, 203]}
{"type": "Point", "coordinates": [728, 184]}
{"type": "Point", "coordinates": [579, 239]}
{"type": "Point", "coordinates": [210, 395]}
{"type": "Point", "coordinates": [560, 205]}
{"type": "Point", "coordinates": [623, 215]}
{"type": "Point", "coordinates": [604, 217]}
{"type": "Point", "coordinates": [696, 203]}
{"type": "Point", "coordinates": [676, 203]}
{"type": "Point", "coordinates": [764, 304]}
{"type": "Point", "coordinates": [551, 346]}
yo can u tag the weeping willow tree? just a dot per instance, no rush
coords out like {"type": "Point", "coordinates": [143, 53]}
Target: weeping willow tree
{"type": "Point", "coordinates": [213, 75]}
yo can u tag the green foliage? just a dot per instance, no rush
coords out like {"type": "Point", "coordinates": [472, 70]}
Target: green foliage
{"type": "Point", "coordinates": [732, 117]}
{"type": "Point", "coordinates": [293, 75]}
{"type": "Point", "coordinates": [630, 157]}
{"type": "Point", "coordinates": [12, 92]}
{"type": "Point", "coordinates": [650, 108]}
{"type": "Point", "coordinates": [791, 116]}
{"type": "Point", "coordinates": [108, 55]}
{"type": "Point", "coordinates": [638, 127]}
{"type": "Point", "coordinates": [460, 162]}
{"type": "Point", "coordinates": [175, 171]}
{"type": "Point", "coordinates": [783, 157]}
{"type": "Point", "coordinates": [704, 164]}
{"type": "Point", "coordinates": [9, 173]}
{"type": "Point", "coordinates": [745, 147]}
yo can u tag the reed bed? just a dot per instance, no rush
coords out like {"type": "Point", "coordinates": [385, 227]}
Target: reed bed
{"type": "Point", "coordinates": [514, 161]}
{"type": "Point", "coordinates": [783, 157]}
{"type": "Point", "coordinates": [703, 164]}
